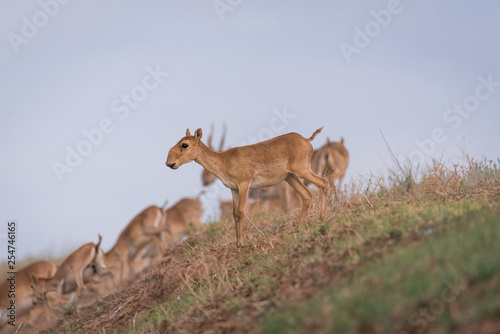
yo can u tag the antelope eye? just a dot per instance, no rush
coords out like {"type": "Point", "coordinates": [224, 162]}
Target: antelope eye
{"type": "Point", "coordinates": [184, 145]}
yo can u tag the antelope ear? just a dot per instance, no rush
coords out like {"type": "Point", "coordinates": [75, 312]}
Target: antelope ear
{"type": "Point", "coordinates": [188, 133]}
{"type": "Point", "coordinates": [198, 134]}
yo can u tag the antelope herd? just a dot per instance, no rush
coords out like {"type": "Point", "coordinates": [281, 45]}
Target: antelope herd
{"type": "Point", "coordinates": [253, 173]}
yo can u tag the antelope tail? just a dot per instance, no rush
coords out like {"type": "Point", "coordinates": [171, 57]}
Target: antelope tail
{"type": "Point", "coordinates": [330, 163]}
{"type": "Point", "coordinates": [315, 133]}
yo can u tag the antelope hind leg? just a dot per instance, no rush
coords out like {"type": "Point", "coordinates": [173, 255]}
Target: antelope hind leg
{"type": "Point", "coordinates": [319, 182]}
{"type": "Point", "coordinates": [304, 194]}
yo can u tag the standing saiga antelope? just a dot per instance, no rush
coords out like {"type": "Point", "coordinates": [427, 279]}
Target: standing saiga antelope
{"type": "Point", "coordinates": [271, 198]}
{"type": "Point", "coordinates": [331, 161]}
{"type": "Point", "coordinates": [264, 164]}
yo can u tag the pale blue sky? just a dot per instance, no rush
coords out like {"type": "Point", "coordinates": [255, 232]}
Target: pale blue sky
{"type": "Point", "coordinates": [261, 58]}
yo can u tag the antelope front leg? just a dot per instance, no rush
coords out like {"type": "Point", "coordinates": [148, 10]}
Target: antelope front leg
{"type": "Point", "coordinates": [80, 286]}
{"type": "Point", "coordinates": [236, 199]}
{"type": "Point", "coordinates": [339, 189]}
{"type": "Point", "coordinates": [331, 181]}
{"type": "Point", "coordinates": [239, 213]}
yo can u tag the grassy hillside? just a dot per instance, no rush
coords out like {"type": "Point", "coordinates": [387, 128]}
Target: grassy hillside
{"type": "Point", "coordinates": [396, 254]}
{"type": "Point", "coordinates": [444, 275]}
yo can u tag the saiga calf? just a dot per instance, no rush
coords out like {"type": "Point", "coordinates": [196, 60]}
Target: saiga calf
{"type": "Point", "coordinates": [23, 294]}
{"type": "Point", "coordinates": [264, 164]}
{"type": "Point", "coordinates": [182, 217]}
{"type": "Point", "coordinates": [73, 273]}
{"type": "Point", "coordinates": [143, 229]}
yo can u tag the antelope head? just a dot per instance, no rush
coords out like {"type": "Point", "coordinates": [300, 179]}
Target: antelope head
{"type": "Point", "coordinates": [186, 150]}
{"type": "Point", "coordinates": [40, 287]}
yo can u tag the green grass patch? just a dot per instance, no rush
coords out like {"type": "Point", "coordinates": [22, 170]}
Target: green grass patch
{"type": "Point", "coordinates": [449, 278]}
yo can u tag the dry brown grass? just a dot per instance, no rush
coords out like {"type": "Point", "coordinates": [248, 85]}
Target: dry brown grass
{"type": "Point", "coordinates": [438, 180]}
{"type": "Point", "coordinates": [208, 284]}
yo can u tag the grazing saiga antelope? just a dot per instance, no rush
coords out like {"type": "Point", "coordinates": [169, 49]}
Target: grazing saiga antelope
{"type": "Point", "coordinates": [145, 228]}
{"type": "Point", "coordinates": [331, 160]}
{"type": "Point", "coordinates": [208, 178]}
{"type": "Point", "coordinates": [179, 219]}
{"type": "Point", "coordinates": [73, 273]}
{"type": "Point", "coordinates": [21, 288]}
{"type": "Point", "coordinates": [264, 164]}
{"type": "Point", "coordinates": [182, 217]}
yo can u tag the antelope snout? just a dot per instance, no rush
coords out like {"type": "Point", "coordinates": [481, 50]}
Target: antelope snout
{"type": "Point", "coordinates": [172, 165]}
